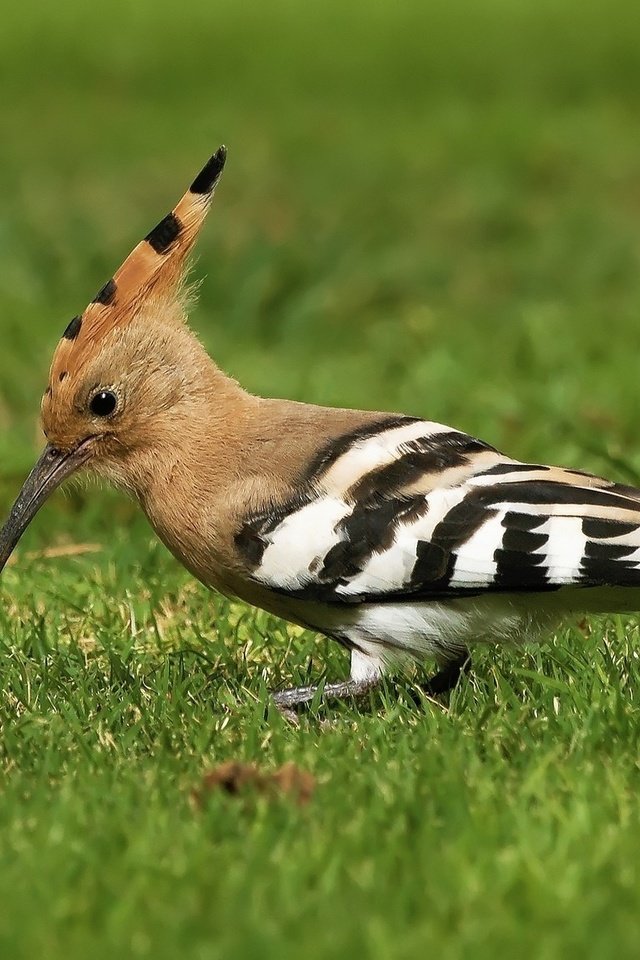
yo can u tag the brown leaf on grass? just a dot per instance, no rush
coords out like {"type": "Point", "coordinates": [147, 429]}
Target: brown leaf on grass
{"type": "Point", "coordinates": [238, 778]}
{"type": "Point", "coordinates": [64, 550]}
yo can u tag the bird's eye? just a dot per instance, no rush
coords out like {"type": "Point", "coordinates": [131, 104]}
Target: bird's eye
{"type": "Point", "coordinates": [103, 403]}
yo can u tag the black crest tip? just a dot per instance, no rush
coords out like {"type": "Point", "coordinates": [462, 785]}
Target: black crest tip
{"type": "Point", "coordinates": [210, 173]}
{"type": "Point", "coordinates": [73, 329]}
{"type": "Point", "coordinates": [164, 233]}
{"type": "Point", "coordinates": [107, 294]}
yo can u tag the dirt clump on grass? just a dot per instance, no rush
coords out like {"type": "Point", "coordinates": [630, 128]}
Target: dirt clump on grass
{"type": "Point", "coordinates": [242, 779]}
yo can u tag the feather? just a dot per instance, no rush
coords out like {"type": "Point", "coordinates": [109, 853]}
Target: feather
{"type": "Point", "coordinates": [419, 511]}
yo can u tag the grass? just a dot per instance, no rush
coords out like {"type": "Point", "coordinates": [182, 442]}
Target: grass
{"type": "Point", "coordinates": [426, 208]}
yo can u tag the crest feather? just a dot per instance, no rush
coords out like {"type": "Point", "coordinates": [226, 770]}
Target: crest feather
{"type": "Point", "coordinates": [154, 268]}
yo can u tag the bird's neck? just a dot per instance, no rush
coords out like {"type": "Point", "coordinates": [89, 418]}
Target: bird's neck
{"type": "Point", "coordinates": [196, 454]}
{"type": "Point", "coordinates": [219, 455]}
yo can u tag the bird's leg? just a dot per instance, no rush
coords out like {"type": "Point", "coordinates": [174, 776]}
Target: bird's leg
{"type": "Point", "coordinates": [365, 675]}
{"type": "Point", "coordinates": [298, 697]}
{"type": "Point", "coordinates": [448, 676]}
{"type": "Point", "coordinates": [356, 688]}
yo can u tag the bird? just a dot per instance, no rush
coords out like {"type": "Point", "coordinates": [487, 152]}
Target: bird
{"type": "Point", "coordinates": [403, 539]}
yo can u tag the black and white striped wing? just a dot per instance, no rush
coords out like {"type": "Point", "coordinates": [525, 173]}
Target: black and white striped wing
{"type": "Point", "coordinates": [416, 510]}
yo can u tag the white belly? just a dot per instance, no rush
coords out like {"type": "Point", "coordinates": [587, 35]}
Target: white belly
{"type": "Point", "coordinates": [443, 630]}
{"type": "Point", "coordinates": [390, 633]}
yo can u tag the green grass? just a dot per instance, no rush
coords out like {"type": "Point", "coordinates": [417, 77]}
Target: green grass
{"type": "Point", "coordinates": [429, 208]}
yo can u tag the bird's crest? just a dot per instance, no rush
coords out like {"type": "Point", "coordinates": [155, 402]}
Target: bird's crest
{"type": "Point", "coordinates": [153, 270]}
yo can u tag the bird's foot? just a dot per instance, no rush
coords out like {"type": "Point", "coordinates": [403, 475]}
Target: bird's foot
{"type": "Point", "coordinates": [447, 678]}
{"type": "Point", "coordinates": [290, 702]}
{"type": "Point", "coordinates": [297, 698]}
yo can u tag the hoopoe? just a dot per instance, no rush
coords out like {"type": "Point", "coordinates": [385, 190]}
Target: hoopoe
{"type": "Point", "coordinates": [401, 538]}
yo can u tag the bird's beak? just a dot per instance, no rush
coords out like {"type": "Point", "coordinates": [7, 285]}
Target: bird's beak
{"type": "Point", "coordinates": [51, 469]}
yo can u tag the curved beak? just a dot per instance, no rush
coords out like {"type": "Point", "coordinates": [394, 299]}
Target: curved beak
{"type": "Point", "coordinates": [52, 468]}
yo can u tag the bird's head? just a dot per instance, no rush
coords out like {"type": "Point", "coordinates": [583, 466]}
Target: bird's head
{"type": "Point", "coordinates": [127, 370]}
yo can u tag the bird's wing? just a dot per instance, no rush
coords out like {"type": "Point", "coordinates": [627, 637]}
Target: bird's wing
{"type": "Point", "coordinates": [417, 510]}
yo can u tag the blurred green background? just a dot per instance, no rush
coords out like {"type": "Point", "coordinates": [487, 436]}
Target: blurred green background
{"type": "Point", "coordinates": [432, 208]}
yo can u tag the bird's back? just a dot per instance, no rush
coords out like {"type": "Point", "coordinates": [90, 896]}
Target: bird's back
{"type": "Point", "coordinates": [401, 526]}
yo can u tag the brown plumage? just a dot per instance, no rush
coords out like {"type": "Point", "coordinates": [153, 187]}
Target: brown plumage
{"type": "Point", "coordinates": [397, 537]}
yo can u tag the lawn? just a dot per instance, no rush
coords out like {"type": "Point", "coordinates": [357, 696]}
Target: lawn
{"type": "Point", "coordinates": [427, 208]}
